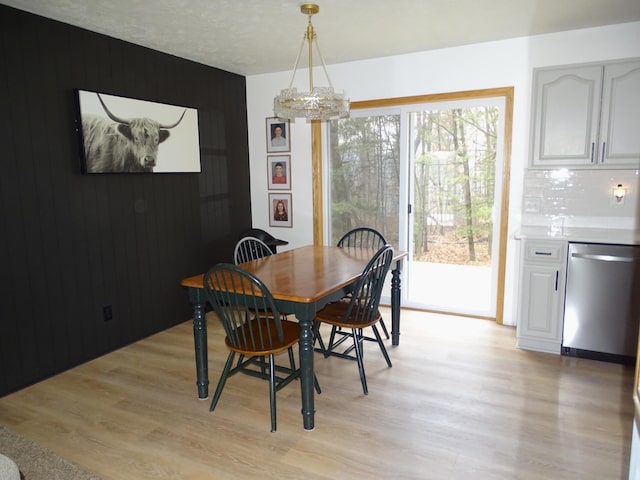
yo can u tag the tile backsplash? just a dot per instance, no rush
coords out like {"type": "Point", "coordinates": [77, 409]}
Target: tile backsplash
{"type": "Point", "coordinates": [580, 198]}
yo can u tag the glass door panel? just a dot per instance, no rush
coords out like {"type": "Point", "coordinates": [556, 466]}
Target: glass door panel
{"type": "Point", "coordinates": [364, 167]}
{"type": "Point", "coordinates": [455, 156]}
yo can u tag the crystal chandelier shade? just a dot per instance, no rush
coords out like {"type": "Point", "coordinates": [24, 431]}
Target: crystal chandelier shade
{"type": "Point", "coordinates": [319, 103]}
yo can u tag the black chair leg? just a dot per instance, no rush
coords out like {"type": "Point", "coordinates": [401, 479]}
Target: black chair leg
{"type": "Point", "coordinates": [318, 337]}
{"type": "Point", "coordinates": [222, 381]}
{"type": "Point", "coordinates": [272, 391]}
{"type": "Point", "coordinates": [292, 361]}
{"type": "Point", "coordinates": [381, 345]}
{"type": "Point", "coordinates": [384, 329]}
{"type": "Point", "coordinates": [332, 337]}
{"type": "Point", "coordinates": [357, 345]}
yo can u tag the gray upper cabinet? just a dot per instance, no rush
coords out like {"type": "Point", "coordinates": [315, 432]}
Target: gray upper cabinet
{"type": "Point", "coordinates": [586, 116]}
{"type": "Point", "coordinates": [620, 117]}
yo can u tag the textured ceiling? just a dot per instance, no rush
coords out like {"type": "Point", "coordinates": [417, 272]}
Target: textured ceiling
{"type": "Point", "coordinates": [259, 36]}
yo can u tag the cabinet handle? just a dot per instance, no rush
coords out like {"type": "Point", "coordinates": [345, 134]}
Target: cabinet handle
{"type": "Point", "coordinates": [606, 258]}
{"type": "Point", "coordinates": [548, 254]}
{"type": "Point", "coordinates": [593, 147]}
{"type": "Point", "coordinates": [603, 149]}
{"type": "Point", "coordinates": [557, 274]}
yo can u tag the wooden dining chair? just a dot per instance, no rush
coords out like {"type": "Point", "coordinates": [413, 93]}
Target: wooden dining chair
{"type": "Point", "coordinates": [356, 313]}
{"type": "Point", "coordinates": [250, 248]}
{"type": "Point", "coordinates": [362, 237]}
{"type": "Point", "coordinates": [365, 237]}
{"type": "Point", "coordinates": [254, 329]}
{"type": "Point", "coordinates": [272, 242]}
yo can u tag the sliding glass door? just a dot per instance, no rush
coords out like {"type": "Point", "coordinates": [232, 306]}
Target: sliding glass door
{"type": "Point", "coordinates": [431, 176]}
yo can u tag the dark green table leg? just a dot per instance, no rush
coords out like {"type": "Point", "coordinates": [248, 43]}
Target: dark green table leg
{"type": "Point", "coordinates": [196, 296]}
{"type": "Point", "coordinates": [305, 316]}
{"type": "Point", "coordinates": [395, 303]}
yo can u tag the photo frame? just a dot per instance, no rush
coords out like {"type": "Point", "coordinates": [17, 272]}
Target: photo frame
{"type": "Point", "coordinates": [278, 135]}
{"type": "Point", "coordinates": [109, 128]}
{"type": "Point", "coordinates": [279, 172]}
{"type": "Point", "coordinates": [280, 211]}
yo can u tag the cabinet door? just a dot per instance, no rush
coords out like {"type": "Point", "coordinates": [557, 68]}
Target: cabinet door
{"type": "Point", "coordinates": [566, 116]}
{"type": "Point", "coordinates": [620, 119]}
{"type": "Point", "coordinates": [540, 309]}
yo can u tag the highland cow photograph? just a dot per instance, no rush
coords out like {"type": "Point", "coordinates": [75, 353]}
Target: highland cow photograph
{"type": "Point", "coordinates": [125, 135]}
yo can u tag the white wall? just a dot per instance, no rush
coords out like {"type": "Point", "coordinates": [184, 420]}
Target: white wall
{"type": "Point", "coordinates": [487, 65]}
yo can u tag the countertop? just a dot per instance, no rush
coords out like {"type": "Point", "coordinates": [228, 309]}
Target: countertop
{"type": "Point", "coordinates": [576, 234]}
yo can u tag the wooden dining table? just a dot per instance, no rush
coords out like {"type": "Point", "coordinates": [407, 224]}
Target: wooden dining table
{"type": "Point", "coordinates": [302, 281]}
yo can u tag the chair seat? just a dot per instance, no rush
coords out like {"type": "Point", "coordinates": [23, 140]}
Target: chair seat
{"type": "Point", "coordinates": [291, 331]}
{"type": "Point", "coordinates": [334, 314]}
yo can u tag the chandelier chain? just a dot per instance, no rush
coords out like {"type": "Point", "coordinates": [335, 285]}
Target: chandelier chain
{"type": "Point", "coordinates": [319, 103]}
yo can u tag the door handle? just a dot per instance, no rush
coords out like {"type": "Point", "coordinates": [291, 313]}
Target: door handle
{"type": "Point", "coordinates": [605, 258]}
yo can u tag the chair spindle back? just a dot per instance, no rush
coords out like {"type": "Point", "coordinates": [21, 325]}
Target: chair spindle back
{"type": "Point", "coordinates": [365, 298]}
{"type": "Point", "coordinates": [245, 307]}
{"type": "Point", "coordinates": [362, 237]}
{"type": "Point", "coordinates": [250, 248]}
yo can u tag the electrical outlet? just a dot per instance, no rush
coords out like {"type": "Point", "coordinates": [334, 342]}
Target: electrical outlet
{"type": "Point", "coordinates": [107, 313]}
{"type": "Point", "coordinates": [532, 204]}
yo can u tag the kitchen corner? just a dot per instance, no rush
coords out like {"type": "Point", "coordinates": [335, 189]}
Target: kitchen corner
{"type": "Point", "coordinates": [579, 236]}
{"type": "Point", "coordinates": [563, 209]}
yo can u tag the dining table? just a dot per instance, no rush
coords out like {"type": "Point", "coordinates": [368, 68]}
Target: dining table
{"type": "Point", "coordinates": [302, 281]}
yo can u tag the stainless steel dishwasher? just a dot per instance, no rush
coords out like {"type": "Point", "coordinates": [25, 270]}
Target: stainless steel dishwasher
{"type": "Point", "coordinates": [602, 302]}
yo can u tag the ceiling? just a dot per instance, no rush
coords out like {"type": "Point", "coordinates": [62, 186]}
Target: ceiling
{"type": "Point", "coordinates": [250, 37]}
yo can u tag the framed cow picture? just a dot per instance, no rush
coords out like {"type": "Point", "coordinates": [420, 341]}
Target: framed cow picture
{"type": "Point", "coordinates": [126, 135]}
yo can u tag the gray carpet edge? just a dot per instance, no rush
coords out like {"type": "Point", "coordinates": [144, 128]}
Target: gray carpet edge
{"type": "Point", "coordinates": [37, 462]}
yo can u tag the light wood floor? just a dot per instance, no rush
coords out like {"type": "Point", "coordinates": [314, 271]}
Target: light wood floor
{"type": "Point", "coordinates": [460, 402]}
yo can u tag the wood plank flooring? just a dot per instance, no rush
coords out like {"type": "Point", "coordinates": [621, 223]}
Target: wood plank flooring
{"type": "Point", "coordinates": [460, 402]}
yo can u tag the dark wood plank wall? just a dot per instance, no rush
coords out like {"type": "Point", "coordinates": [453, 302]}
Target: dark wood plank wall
{"type": "Point", "coordinates": [72, 243]}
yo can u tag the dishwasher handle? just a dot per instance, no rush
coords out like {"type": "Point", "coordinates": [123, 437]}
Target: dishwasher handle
{"type": "Point", "coordinates": [605, 258]}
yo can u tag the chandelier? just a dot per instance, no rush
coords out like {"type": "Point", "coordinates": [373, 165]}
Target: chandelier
{"type": "Point", "coordinates": [319, 103]}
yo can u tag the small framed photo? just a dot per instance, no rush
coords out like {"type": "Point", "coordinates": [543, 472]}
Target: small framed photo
{"type": "Point", "coordinates": [280, 210]}
{"type": "Point", "coordinates": [279, 172]}
{"type": "Point", "coordinates": [278, 135]}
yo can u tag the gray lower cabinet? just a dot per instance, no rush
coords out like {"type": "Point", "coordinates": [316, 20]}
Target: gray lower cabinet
{"type": "Point", "coordinates": [541, 295]}
{"type": "Point", "coordinates": [585, 116]}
